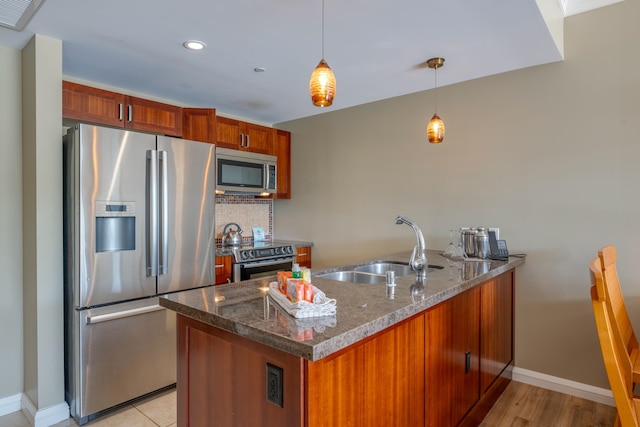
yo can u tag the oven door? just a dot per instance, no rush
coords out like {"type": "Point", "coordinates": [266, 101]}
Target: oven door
{"type": "Point", "coordinates": [256, 269]}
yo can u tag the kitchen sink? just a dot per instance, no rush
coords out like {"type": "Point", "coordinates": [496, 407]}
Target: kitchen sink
{"type": "Point", "coordinates": [354, 277]}
{"type": "Point", "coordinates": [373, 273]}
{"type": "Point", "coordinates": [382, 267]}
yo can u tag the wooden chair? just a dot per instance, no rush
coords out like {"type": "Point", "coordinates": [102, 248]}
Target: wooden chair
{"type": "Point", "coordinates": [616, 359]}
{"type": "Point", "coordinates": [616, 306]}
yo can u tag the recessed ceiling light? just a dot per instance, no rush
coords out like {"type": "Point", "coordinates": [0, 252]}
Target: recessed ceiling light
{"type": "Point", "coordinates": [194, 45]}
{"type": "Point", "coordinates": [259, 69]}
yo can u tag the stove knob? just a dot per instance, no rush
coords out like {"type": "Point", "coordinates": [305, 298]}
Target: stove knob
{"type": "Point", "coordinates": [243, 255]}
{"type": "Point", "coordinates": [290, 249]}
{"type": "Point", "coordinates": [252, 253]}
{"type": "Point", "coordinates": [277, 251]}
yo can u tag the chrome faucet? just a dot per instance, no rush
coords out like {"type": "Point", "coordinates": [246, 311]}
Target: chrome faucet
{"type": "Point", "coordinates": [418, 261]}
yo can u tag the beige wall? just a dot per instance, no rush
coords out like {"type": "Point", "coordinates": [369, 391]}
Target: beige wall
{"type": "Point", "coordinates": [549, 154]}
{"type": "Point", "coordinates": [10, 223]}
{"type": "Point", "coordinates": [42, 221]}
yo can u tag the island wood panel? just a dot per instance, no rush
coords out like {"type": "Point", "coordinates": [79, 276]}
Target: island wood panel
{"type": "Point", "coordinates": [451, 330]}
{"type": "Point", "coordinates": [394, 376]}
{"type": "Point", "coordinates": [334, 389]}
{"type": "Point", "coordinates": [496, 323]}
{"type": "Point", "coordinates": [378, 382]}
{"type": "Point", "coordinates": [199, 124]}
{"type": "Point", "coordinates": [222, 380]}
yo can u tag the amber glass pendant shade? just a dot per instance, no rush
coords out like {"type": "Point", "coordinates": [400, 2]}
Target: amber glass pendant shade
{"type": "Point", "coordinates": [435, 130]}
{"type": "Point", "coordinates": [322, 85]}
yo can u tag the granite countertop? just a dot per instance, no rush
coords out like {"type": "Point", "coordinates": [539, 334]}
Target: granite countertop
{"type": "Point", "coordinates": [362, 309]}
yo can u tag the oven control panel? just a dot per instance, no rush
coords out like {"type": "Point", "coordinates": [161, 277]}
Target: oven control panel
{"type": "Point", "coordinates": [255, 254]}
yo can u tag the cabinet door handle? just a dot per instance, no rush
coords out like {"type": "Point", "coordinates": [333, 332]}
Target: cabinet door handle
{"type": "Point", "coordinates": [129, 113]}
{"type": "Point", "coordinates": [248, 141]}
{"type": "Point", "coordinates": [241, 140]}
{"type": "Point", "coordinates": [467, 361]}
{"type": "Point", "coordinates": [120, 112]}
{"type": "Point", "coordinates": [302, 254]}
{"type": "Point", "coordinates": [219, 265]}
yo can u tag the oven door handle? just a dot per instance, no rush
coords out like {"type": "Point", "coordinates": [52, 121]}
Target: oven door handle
{"type": "Point", "coordinates": [266, 264]}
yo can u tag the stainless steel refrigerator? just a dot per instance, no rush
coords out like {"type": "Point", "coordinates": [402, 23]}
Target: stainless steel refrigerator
{"type": "Point", "coordinates": [139, 223]}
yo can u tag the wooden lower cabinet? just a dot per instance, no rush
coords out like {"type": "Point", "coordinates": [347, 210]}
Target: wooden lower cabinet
{"type": "Point", "coordinates": [496, 328]}
{"type": "Point", "coordinates": [443, 367]}
{"type": "Point", "coordinates": [452, 358]}
{"type": "Point", "coordinates": [224, 272]}
{"type": "Point", "coordinates": [303, 256]}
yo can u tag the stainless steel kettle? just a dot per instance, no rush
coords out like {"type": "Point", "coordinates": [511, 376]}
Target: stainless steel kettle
{"type": "Point", "coordinates": [232, 237]}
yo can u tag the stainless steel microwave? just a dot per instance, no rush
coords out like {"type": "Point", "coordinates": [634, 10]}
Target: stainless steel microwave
{"type": "Point", "coordinates": [244, 172]}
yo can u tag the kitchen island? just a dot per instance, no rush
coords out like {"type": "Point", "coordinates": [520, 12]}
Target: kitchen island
{"type": "Point", "coordinates": [429, 353]}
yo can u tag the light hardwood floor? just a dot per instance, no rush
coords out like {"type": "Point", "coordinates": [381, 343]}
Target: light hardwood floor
{"type": "Point", "coordinates": [519, 406]}
{"type": "Point", "coordinates": [525, 405]}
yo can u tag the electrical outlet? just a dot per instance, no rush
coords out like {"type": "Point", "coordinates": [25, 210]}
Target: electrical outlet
{"type": "Point", "coordinates": [274, 384]}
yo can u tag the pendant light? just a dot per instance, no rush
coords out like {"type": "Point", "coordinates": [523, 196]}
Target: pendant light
{"type": "Point", "coordinates": [322, 85]}
{"type": "Point", "coordinates": [435, 128]}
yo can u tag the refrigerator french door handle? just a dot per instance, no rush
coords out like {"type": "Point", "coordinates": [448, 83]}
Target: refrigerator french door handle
{"type": "Point", "coordinates": [163, 193]}
{"type": "Point", "coordinates": [152, 213]}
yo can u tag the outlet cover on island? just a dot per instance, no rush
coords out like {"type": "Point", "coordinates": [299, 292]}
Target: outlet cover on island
{"type": "Point", "coordinates": [258, 234]}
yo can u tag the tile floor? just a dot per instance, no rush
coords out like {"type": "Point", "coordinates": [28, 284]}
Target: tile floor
{"type": "Point", "coordinates": [156, 411]}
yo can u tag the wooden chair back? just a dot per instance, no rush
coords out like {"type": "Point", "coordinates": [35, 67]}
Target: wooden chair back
{"type": "Point", "coordinates": [616, 359]}
{"type": "Point", "coordinates": [614, 295]}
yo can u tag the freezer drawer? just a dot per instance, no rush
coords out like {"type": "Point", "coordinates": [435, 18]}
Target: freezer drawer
{"type": "Point", "coordinates": [124, 351]}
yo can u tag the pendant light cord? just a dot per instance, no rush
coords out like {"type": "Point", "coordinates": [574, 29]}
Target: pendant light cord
{"type": "Point", "coordinates": [435, 92]}
{"type": "Point", "coordinates": [322, 29]}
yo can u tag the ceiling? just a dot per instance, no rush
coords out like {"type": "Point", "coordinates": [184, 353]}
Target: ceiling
{"type": "Point", "coordinates": [376, 48]}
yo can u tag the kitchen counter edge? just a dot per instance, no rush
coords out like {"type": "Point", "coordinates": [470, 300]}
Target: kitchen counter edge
{"type": "Point", "coordinates": [250, 322]}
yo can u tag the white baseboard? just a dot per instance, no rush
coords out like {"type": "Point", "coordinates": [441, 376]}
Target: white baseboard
{"type": "Point", "coordinates": [10, 404]}
{"type": "Point", "coordinates": [596, 394]}
{"type": "Point", "coordinates": [46, 416]}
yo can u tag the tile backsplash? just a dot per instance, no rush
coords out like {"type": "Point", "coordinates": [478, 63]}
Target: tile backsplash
{"type": "Point", "coordinates": [247, 212]}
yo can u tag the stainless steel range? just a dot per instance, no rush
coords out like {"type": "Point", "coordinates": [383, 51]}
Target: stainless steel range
{"type": "Point", "coordinates": [260, 259]}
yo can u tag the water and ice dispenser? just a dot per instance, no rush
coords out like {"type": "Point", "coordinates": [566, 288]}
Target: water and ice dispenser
{"type": "Point", "coordinates": [115, 226]}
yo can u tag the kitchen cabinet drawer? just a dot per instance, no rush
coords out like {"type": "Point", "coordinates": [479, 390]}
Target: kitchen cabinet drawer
{"type": "Point", "coordinates": [303, 256]}
{"type": "Point", "coordinates": [223, 269]}
{"type": "Point", "coordinates": [199, 124]}
{"type": "Point", "coordinates": [93, 105]}
{"type": "Point", "coordinates": [244, 136]}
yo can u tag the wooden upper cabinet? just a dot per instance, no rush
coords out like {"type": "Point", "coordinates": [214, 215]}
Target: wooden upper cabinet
{"type": "Point", "coordinates": [245, 136]}
{"type": "Point", "coordinates": [199, 124]}
{"type": "Point", "coordinates": [283, 151]}
{"type": "Point", "coordinates": [152, 116]}
{"type": "Point", "coordinates": [89, 104]}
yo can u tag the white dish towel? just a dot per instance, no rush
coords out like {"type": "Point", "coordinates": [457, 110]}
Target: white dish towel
{"type": "Point", "coordinates": [321, 305]}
